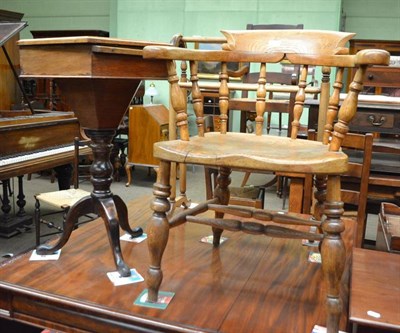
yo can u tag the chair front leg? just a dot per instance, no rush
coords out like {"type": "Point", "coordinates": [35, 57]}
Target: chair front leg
{"type": "Point", "coordinates": [333, 252]}
{"type": "Point", "coordinates": [158, 229]}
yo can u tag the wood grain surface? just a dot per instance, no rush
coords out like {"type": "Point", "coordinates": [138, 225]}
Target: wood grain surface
{"type": "Point", "coordinates": [375, 286]}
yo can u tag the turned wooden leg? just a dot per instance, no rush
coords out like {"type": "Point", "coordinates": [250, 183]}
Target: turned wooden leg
{"type": "Point", "coordinates": [333, 252]}
{"type": "Point", "coordinates": [21, 197]}
{"type": "Point", "coordinates": [320, 196]}
{"type": "Point", "coordinates": [158, 230]}
{"type": "Point", "coordinates": [223, 194]}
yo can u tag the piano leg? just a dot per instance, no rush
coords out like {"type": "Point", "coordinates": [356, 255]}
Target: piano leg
{"type": "Point", "coordinates": [5, 202]}
{"type": "Point", "coordinates": [21, 197]}
{"type": "Point", "coordinates": [10, 224]}
{"type": "Point", "coordinates": [102, 202]}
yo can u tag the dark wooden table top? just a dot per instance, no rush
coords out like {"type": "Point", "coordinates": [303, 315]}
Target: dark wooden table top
{"type": "Point", "coordinates": [375, 286]}
{"type": "Point", "coordinates": [250, 284]}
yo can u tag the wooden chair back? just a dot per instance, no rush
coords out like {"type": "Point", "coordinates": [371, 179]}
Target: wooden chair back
{"type": "Point", "coordinates": [282, 105]}
{"type": "Point", "coordinates": [299, 47]}
{"type": "Point", "coordinates": [288, 78]}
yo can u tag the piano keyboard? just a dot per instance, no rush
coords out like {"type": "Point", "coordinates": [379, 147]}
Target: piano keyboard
{"type": "Point", "coordinates": [35, 154]}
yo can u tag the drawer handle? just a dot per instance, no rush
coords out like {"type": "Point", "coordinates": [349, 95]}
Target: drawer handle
{"type": "Point", "coordinates": [373, 121]}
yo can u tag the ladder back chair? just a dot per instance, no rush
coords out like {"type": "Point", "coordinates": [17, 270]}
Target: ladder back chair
{"type": "Point", "coordinates": [256, 152]}
{"type": "Point", "coordinates": [354, 183]}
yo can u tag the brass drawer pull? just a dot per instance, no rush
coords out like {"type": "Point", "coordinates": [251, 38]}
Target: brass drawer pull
{"type": "Point", "coordinates": [373, 121]}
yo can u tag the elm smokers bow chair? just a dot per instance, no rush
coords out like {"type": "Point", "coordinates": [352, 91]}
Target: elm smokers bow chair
{"type": "Point", "coordinates": [257, 152]}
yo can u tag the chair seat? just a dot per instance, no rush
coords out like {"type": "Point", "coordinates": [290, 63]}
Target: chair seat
{"type": "Point", "coordinates": [268, 153]}
{"type": "Point", "coordinates": [65, 198]}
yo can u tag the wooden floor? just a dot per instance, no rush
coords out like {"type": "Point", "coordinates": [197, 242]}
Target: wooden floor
{"type": "Point", "coordinates": [250, 284]}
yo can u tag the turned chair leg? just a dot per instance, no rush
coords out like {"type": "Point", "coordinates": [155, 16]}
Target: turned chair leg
{"type": "Point", "coordinates": [333, 252]}
{"type": "Point", "coordinates": [158, 229]}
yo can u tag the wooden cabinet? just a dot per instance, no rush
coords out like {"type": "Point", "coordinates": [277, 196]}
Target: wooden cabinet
{"type": "Point", "coordinates": [376, 118]}
{"type": "Point", "coordinates": [147, 124]}
{"type": "Point", "coordinates": [380, 79]}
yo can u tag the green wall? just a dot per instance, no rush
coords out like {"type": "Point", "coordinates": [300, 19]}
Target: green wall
{"type": "Point", "coordinates": [159, 20]}
{"type": "Point", "coordinates": [373, 19]}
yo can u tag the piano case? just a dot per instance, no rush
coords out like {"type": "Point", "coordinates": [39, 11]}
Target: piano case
{"type": "Point", "coordinates": [388, 234]}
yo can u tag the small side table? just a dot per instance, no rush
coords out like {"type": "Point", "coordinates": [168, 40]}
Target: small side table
{"type": "Point", "coordinates": [375, 290]}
